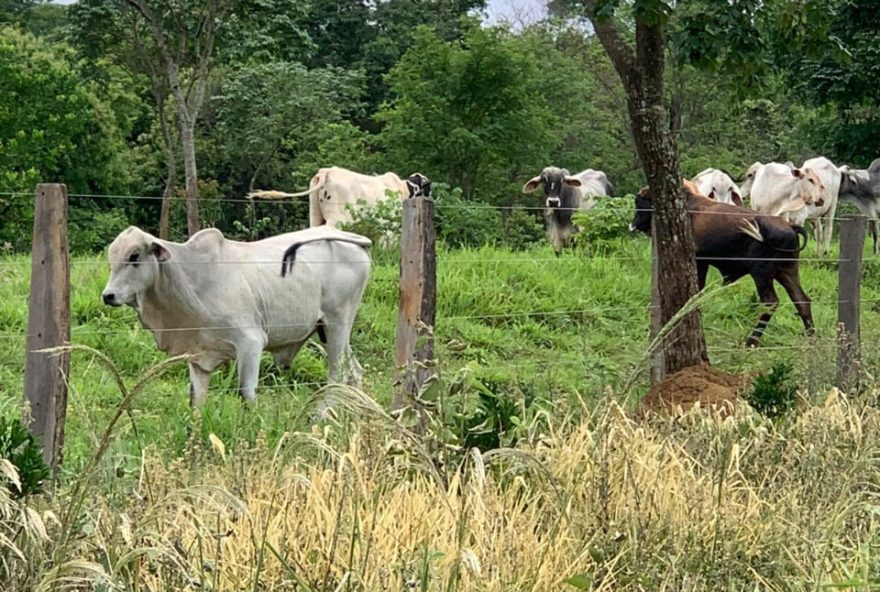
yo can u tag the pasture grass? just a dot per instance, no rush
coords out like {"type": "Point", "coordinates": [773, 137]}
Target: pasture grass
{"type": "Point", "coordinates": [525, 323]}
{"type": "Point", "coordinates": [265, 499]}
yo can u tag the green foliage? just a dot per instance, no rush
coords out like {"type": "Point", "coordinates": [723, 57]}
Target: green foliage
{"type": "Point", "coordinates": [380, 223]}
{"type": "Point", "coordinates": [605, 222]}
{"type": "Point", "coordinates": [468, 113]}
{"type": "Point", "coordinates": [522, 228]}
{"type": "Point", "coordinates": [462, 222]}
{"type": "Point", "coordinates": [268, 114]}
{"type": "Point", "coordinates": [774, 393]}
{"type": "Point", "coordinates": [52, 123]}
{"type": "Point", "coordinates": [479, 408]}
{"type": "Point", "coordinates": [22, 450]}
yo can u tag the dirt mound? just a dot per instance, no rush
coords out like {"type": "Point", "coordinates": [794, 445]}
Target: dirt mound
{"type": "Point", "coordinates": [703, 384]}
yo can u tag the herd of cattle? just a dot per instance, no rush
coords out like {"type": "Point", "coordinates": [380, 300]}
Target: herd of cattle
{"type": "Point", "coordinates": [219, 300]}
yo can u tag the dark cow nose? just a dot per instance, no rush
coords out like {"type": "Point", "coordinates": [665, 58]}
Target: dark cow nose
{"type": "Point", "coordinates": [552, 202]}
{"type": "Point", "coordinates": [109, 298]}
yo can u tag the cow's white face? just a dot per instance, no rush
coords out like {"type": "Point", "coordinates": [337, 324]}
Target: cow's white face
{"type": "Point", "coordinates": [134, 265]}
{"type": "Point", "coordinates": [809, 187]}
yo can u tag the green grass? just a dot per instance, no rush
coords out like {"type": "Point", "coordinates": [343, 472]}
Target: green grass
{"type": "Point", "coordinates": [563, 328]}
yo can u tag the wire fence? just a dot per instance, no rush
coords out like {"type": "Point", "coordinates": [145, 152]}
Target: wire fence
{"type": "Point", "coordinates": [451, 206]}
{"type": "Point", "coordinates": [577, 314]}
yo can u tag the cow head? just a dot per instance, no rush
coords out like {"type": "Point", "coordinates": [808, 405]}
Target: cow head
{"type": "Point", "coordinates": [418, 184]}
{"type": "Point", "coordinates": [552, 179]}
{"type": "Point", "coordinates": [746, 184]}
{"type": "Point", "coordinates": [809, 187]}
{"type": "Point", "coordinates": [642, 219]}
{"type": "Point", "coordinates": [134, 264]}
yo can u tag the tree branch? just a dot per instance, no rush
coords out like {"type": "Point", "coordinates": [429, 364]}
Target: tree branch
{"type": "Point", "coordinates": [621, 53]}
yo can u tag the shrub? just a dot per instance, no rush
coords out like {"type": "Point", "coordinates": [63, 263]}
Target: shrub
{"type": "Point", "coordinates": [19, 447]}
{"type": "Point", "coordinates": [774, 392]}
{"type": "Point", "coordinates": [464, 223]}
{"type": "Point", "coordinates": [522, 228]}
{"type": "Point", "coordinates": [606, 221]}
{"type": "Point", "coordinates": [380, 223]}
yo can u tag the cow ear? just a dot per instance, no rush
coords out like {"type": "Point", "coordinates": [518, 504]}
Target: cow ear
{"type": "Point", "coordinates": [162, 254]}
{"type": "Point", "coordinates": [572, 181]}
{"type": "Point", "coordinates": [532, 184]}
{"type": "Point", "coordinates": [797, 173]}
{"type": "Point", "coordinates": [737, 198]}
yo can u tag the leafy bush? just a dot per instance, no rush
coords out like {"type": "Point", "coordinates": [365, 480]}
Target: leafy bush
{"type": "Point", "coordinates": [380, 223]}
{"type": "Point", "coordinates": [19, 447]}
{"type": "Point", "coordinates": [464, 223]}
{"type": "Point", "coordinates": [92, 229]}
{"type": "Point", "coordinates": [774, 393]}
{"type": "Point", "coordinates": [522, 228]}
{"type": "Point", "coordinates": [606, 221]}
{"type": "Point", "coordinates": [478, 408]}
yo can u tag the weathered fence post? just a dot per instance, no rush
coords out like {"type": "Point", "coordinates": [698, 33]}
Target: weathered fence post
{"type": "Point", "coordinates": [417, 306]}
{"type": "Point", "coordinates": [45, 376]}
{"type": "Point", "coordinates": [852, 244]}
{"type": "Point", "coordinates": [658, 361]}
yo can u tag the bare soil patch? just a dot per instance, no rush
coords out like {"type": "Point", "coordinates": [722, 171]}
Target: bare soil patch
{"type": "Point", "coordinates": [701, 384]}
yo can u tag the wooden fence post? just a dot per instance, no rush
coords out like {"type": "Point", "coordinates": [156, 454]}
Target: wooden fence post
{"type": "Point", "coordinates": [658, 361]}
{"type": "Point", "coordinates": [417, 305]}
{"type": "Point", "coordinates": [852, 244]}
{"type": "Point", "coordinates": [45, 376]}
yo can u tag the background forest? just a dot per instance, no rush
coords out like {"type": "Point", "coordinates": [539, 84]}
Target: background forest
{"type": "Point", "coordinates": [275, 89]}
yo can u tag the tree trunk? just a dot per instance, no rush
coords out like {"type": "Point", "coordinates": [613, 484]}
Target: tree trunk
{"type": "Point", "coordinates": [642, 75]}
{"type": "Point", "coordinates": [170, 168]}
{"type": "Point", "coordinates": [187, 138]}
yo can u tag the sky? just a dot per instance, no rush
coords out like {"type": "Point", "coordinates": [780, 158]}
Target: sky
{"type": "Point", "coordinates": [517, 12]}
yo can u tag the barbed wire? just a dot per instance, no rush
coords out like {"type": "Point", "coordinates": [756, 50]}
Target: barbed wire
{"type": "Point", "coordinates": [726, 306]}
{"type": "Point", "coordinates": [470, 206]}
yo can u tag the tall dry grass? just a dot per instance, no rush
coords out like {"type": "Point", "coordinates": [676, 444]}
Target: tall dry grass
{"type": "Point", "coordinates": [688, 503]}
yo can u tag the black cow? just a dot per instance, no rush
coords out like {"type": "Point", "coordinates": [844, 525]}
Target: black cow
{"type": "Point", "coordinates": [738, 242]}
{"type": "Point", "coordinates": [564, 195]}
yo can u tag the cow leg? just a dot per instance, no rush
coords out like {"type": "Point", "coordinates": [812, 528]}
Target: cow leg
{"type": "Point", "coordinates": [284, 356]}
{"type": "Point", "coordinates": [199, 380]}
{"type": "Point", "coordinates": [828, 224]}
{"type": "Point", "coordinates": [342, 367]}
{"type": "Point", "coordinates": [769, 298]}
{"type": "Point", "coordinates": [790, 280]}
{"type": "Point", "coordinates": [873, 225]}
{"type": "Point", "coordinates": [247, 356]}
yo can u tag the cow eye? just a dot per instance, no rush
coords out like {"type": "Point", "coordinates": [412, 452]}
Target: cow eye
{"type": "Point", "coordinates": [133, 258]}
{"type": "Point", "coordinates": [813, 182]}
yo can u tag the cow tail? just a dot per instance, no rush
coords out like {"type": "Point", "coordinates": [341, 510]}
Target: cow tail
{"type": "Point", "coordinates": [288, 258]}
{"type": "Point", "coordinates": [800, 230]}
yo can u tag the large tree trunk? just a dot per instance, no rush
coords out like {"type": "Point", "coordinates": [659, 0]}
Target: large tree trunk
{"type": "Point", "coordinates": [642, 76]}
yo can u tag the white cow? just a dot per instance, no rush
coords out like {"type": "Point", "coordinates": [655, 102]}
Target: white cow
{"type": "Point", "coordinates": [716, 184]}
{"type": "Point", "coordinates": [334, 192]}
{"type": "Point", "coordinates": [822, 215]}
{"type": "Point", "coordinates": [220, 300]}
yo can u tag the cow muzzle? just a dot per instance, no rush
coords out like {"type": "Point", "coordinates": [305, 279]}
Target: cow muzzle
{"type": "Point", "coordinates": [553, 202]}
{"type": "Point", "coordinates": [110, 299]}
